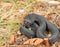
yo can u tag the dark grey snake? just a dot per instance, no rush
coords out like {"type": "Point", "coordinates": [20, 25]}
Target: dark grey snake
{"type": "Point", "coordinates": [39, 25]}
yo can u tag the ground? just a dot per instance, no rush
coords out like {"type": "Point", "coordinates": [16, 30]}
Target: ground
{"type": "Point", "coordinates": [12, 13]}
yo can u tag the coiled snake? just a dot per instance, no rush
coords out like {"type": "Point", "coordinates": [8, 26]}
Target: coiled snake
{"type": "Point", "coordinates": [35, 26]}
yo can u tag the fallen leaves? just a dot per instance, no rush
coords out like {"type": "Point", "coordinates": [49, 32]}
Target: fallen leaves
{"type": "Point", "coordinates": [46, 42]}
{"type": "Point", "coordinates": [34, 41]}
{"type": "Point", "coordinates": [2, 46]}
{"type": "Point", "coordinates": [12, 39]}
{"type": "Point", "coordinates": [58, 21]}
{"type": "Point", "coordinates": [37, 42]}
{"type": "Point", "coordinates": [41, 45]}
{"type": "Point", "coordinates": [26, 46]}
{"type": "Point", "coordinates": [6, 4]}
{"type": "Point", "coordinates": [52, 16]}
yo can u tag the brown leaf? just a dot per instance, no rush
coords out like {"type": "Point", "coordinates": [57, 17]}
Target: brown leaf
{"type": "Point", "coordinates": [38, 41]}
{"type": "Point", "coordinates": [21, 45]}
{"type": "Point", "coordinates": [58, 21]}
{"type": "Point", "coordinates": [2, 46]}
{"type": "Point", "coordinates": [34, 41]}
{"type": "Point", "coordinates": [6, 4]}
{"type": "Point", "coordinates": [26, 45]}
{"type": "Point", "coordinates": [12, 39]}
{"type": "Point", "coordinates": [46, 42]}
{"type": "Point", "coordinates": [41, 45]}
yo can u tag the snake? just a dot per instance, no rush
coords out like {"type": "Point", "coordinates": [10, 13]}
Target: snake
{"type": "Point", "coordinates": [35, 25]}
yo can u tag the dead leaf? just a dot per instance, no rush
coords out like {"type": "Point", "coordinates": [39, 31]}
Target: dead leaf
{"type": "Point", "coordinates": [26, 45]}
{"type": "Point", "coordinates": [34, 41]}
{"type": "Point", "coordinates": [58, 21]}
{"type": "Point", "coordinates": [41, 45]}
{"type": "Point", "coordinates": [38, 41]}
{"type": "Point", "coordinates": [46, 42]}
{"type": "Point", "coordinates": [21, 45]}
{"type": "Point", "coordinates": [2, 46]}
{"type": "Point", "coordinates": [6, 4]}
{"type": "Point", "coordinates": [12, 39]}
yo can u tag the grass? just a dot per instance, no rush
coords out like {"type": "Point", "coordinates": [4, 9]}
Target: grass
{"type": "Point", "coordinates": [0, 24]}
{"type": "Point", "coordinates": [1, 40]}
{"type": "Point", "coordinates": [14, 26]}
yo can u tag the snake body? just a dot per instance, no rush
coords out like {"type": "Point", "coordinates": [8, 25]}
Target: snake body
{"type": "Point", "coordinates": [39, 25]}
